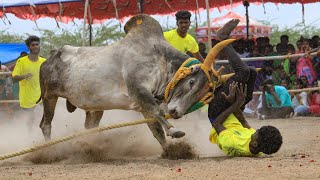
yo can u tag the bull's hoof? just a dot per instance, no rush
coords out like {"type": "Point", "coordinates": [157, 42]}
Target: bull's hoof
{"type": "Point", "coordinates": [175, 133]}
{"type": "Point", "coordinates": [224, 32]}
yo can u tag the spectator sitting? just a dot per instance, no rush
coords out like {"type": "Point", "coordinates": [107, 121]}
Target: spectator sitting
{"type": "Point", "coordinates": [299, 45]}
{"type": "Point", "coordinates": [316, 64]}
{"type": "Point", "coordinates": [5, 83]}
{"type": "Point", "coordinates": [282, 47]}
{"type": "Point", "coordinates": [276, 101]}
{"type": "Point", "coordinates": [300, 100]}
{"type": "Point", "coordinates": [315, 41]}
{"type": "Point", "coordinates": [304, 64]}
{"type": "Point", "coordinates": [202, 50]}
{"type": "Point", "coordinates": [305, 83]}
{"type": "Point", "coordinates": [315, 101]}
{"type": "Point", "coordinates": [285, 82]}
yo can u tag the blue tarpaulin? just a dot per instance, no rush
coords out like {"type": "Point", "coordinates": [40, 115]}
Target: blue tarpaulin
{"type": "Point", "coordinates": [15, 3]}
{"type": "Point", "coordinates": [9, 52]}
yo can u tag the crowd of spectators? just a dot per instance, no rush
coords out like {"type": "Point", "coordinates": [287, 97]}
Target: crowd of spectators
{"type": "Point", "coordinates": [291, 73]}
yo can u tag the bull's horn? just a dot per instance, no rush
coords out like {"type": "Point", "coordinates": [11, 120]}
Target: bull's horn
{"type": "Point", "coordinates": [225, 77]}
{"type": "Point", "coordinates": [214, 52]}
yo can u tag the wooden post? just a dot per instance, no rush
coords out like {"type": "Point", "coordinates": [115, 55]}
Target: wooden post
{"type": "Point", "coordinates": [209, 26]}
{"type": "Point", "coordinates": [84, 22]}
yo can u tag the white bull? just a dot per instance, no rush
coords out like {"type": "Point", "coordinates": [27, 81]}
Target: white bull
{"type": "Point", "coordinates": [131, 74]}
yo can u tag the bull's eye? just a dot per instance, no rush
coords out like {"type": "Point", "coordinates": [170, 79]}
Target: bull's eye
{"type": "Point", "coordinates": [191, 83]}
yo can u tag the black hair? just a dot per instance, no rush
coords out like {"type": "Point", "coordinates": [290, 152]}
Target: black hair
{"type": "Point", "coordinates": [269, 139]}
{"type": "Point", "coordinates": [285, 79]}
{"type": "Point", "coordinates": [291, 46]}
{"type": "Point", "coordinates": [284, 36]}
{"type": "Point", "coordinates": [267, 81]}
{"type": "Point", "coordinates": [299, 81]}
{"type": "Point", "coordinates": [32, 39]}
{"type": "Point", "coordinates": [183, 15]}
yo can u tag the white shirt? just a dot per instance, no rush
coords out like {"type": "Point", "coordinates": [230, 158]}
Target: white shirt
{"type": "Point", "coordinates": [304, 100]}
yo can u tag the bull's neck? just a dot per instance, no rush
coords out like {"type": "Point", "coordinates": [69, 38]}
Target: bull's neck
{"type": "Point", "coordinates": [173, 63]}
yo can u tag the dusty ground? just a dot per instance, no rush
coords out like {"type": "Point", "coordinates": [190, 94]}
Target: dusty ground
{"type": "Point", "coordinates": [132, 152]}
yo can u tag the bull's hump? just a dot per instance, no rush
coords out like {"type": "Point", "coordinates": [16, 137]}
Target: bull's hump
{"type": "Point", "coordinates": [143, 24]}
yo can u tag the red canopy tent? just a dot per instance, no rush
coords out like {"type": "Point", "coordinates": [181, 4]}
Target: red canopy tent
{"type": "Point", "coordinates": [106, 9]}
{"type": "Point", "coordinates": [256, 29]}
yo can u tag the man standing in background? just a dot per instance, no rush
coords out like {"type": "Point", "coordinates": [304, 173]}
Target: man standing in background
{"type": "Point", "coordinates": [26, 72]}
{"type": "Point", "coordinates": [180, 39]}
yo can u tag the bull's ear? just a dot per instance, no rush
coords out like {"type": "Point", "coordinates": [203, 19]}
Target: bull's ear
{"type": "Point", "coordinates": [194, 69]}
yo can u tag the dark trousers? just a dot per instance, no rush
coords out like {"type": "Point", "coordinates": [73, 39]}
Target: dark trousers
{"type": "Point", "coordinates": [274, 113]}
{"type": "Point", "coordinates": [243, 74]}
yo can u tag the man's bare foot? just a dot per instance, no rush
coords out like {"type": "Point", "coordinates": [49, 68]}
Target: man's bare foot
{"type": "Point", "coordinates": [224, 32]}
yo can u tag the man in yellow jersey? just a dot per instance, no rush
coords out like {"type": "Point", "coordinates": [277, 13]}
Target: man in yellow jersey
{"type": "Point", "coordinates": [234, 136]}
{"type": "Point", "coordinates": [180, 39]}
{"type": "Point", "coordinates": [26, 72]}
{"type": "Point", "coordinates": [231, 132]}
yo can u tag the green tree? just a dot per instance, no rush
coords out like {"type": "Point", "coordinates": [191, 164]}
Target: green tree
{"type": "Point", "coordinates": [6, 37]}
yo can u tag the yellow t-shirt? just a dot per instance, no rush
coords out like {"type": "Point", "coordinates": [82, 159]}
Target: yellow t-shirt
{"type": "Point", "coordinates": [235, 139]}
{"type": "Point", "coordinates": [29, 90]}
{"type": "Point", "coordinates": [185, 44]}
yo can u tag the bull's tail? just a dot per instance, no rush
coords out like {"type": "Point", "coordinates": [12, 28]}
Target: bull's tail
{"type": "Point", "coordinates": [70, 107]}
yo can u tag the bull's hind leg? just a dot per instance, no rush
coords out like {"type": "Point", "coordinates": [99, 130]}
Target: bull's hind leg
{"type": "Point", "coordinates": [49, 105]}
{"type": "Point", "coordinates": [93, 119]}
{"type": "Point", "coordinates": [157, 131]}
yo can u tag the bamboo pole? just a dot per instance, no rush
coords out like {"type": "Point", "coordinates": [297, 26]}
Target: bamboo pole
{"type": "Point", "coordinates": [294, 90]}
{"type": "Point", "coordinates": [5, 73]}
{"type": "Point", "coordinates": [84, 23]}
{"type": "Point", "coordinates": [9, 101]}
{"type": "Point", "coordinates": [267, 58]}
{"type": "Point", "coordinates": [209, 25]}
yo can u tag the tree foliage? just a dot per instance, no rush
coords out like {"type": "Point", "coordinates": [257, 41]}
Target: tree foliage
{"type": "Point", "coordinates": [294, 33]}
{"type": "Point", "coordinates": [52, 39]}
{"type": "Point", "coordinates": [110, 32]}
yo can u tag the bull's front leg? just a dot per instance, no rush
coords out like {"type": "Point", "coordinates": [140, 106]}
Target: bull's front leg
{"type": "Point", "coordinates": [150, 108]}
{"type": "Point", "coordinates": [170, 130]}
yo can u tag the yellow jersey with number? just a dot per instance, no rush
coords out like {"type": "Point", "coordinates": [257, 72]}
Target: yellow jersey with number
{"type": "Point", "coordinates": [184, 45]}
{"type": "Point", "coordinates": [235, 139]}
{"type": "Point", "coordinates": [29, 90]}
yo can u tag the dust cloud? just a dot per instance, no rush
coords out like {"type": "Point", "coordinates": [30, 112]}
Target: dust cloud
{"type": "Point", "coordinates": [134, 142]}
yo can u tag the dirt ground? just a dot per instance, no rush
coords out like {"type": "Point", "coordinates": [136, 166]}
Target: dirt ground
{"type": "Point", "coordinates": [133, 153]}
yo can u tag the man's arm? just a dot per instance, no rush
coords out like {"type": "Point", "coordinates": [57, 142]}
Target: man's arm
{"type": "Point", "coordinates": [273, 93]}
{"type": "Point", "coordinates": [18, 78]}
{"type": "Point", "coordinates": [239, 115]}
{"type": "Point", "coordinates": [198, 56]}
{"type": "Point", "coordinates": [239, 101]}
{"type": "Point", "coordinates": [218, 122]}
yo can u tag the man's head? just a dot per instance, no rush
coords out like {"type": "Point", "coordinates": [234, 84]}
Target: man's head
{"type": "Point", "coordinates": [268, 49]}
{"type": "Point", "coordinates": [267, 84]}
{"type": "Point", "coordinates": [267, 139]}
{"type": "Point", "coordinates": [285, 83]}
{"type": "Point", "coordinates": [304, 80]}
{"type": "Point", "coordinates": [183, 21]}
{"type": "Point", "coordinates": [291, 49]}
{"type": "Point", "coordinates": [284, 39]}
{"type": "Point", "coordinates": [298, 84]}
{"type": "Point", "coordinates": [33, 44]}
{"type": "Point", "coordinates": [299, 44]}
